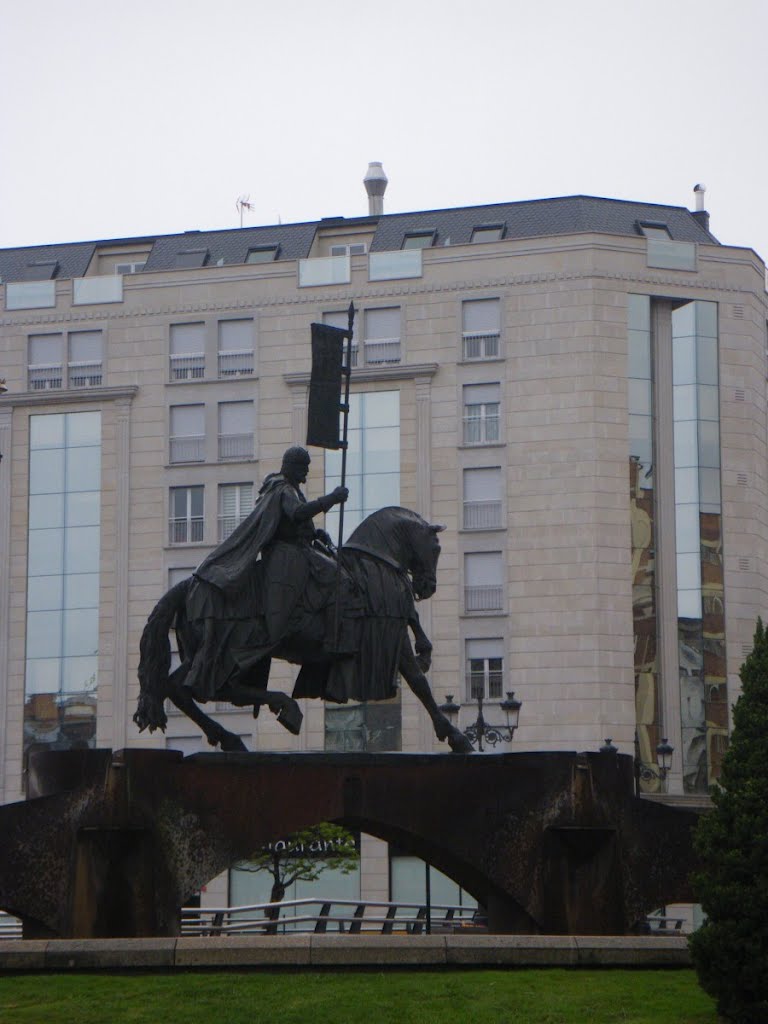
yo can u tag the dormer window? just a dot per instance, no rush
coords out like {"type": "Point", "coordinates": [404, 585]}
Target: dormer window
{"type": "Point", "coordinates": [262, 254]}
{"type": "Point", "coordinates": [189, 259]}
{"type": "Point", "coordinates": [40, 270]}
{"type": "Point", "coordinates": [654, 229]}
{"type": "Point", "coordinates": [488, 232]}
{"type": "Point", "coordinates": [418, 239]}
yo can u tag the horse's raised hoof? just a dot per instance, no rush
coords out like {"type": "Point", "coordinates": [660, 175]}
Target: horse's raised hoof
{"type": "Point", "coordinates": [459, 743]}
{"type": "Point", "coordinates": [290, 716]}
{"type": "Point", "coordinates": [232, 744]}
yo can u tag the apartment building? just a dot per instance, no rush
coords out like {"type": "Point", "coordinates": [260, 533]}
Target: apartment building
{"type": "Point", "coordinates": [575, 387]}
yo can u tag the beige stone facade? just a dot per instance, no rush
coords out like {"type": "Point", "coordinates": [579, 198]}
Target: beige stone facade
{"type": "Point", "coordinates": [563, 616]}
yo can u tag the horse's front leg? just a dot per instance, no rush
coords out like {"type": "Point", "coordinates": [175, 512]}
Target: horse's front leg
{"type": "Point", "coordinates": [413, 675]}
{"type": "Point", "coordinates": [216, 734]}
{"type": "Point", "coordinates": [421, 643]}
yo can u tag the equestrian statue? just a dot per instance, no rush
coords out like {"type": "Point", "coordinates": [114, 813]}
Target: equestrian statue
{"type": "Point", "coordinates": [277, 588]}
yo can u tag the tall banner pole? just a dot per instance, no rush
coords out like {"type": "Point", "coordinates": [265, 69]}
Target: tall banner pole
{"type": "Point", "coordinates": [346, 369]}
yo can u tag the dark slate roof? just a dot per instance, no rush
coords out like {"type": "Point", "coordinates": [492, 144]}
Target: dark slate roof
{"type": "Point", "coordinates": [530, 219]}
{"type": "Point", "coordinates": [538, 217]}
{"type": "Point", "coordinates": [294, 241]}
{"type": "Point", "coordinates": [72, 258]}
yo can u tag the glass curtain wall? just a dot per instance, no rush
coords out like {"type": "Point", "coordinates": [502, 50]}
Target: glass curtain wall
{"type": "Point", "coordinates": [643, 525]}
{"type": "Point", "coordinates": [698, 522]}
{"type": "Point", "coordinates": [63, 543]}
{"type": "Point", "coordinates": [373, 479]}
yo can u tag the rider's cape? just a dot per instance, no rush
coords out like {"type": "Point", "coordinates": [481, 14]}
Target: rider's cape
{"type": "Point", "coordinates": [228, 565]}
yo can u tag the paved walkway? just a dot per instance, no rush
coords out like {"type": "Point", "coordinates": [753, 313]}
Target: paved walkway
{"type": "Point", "coordinates": [342, 951]}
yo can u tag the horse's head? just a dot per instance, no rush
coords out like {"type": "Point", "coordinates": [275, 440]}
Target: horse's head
{"type": "Point", "coordinates": [408, 539]}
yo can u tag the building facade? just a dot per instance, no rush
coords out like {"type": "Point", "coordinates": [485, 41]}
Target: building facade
{"type": "Point", "coordinates": [575, 387]}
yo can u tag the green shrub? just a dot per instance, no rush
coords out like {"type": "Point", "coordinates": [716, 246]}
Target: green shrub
{"type": "Point", "coordinates": [730, 951]}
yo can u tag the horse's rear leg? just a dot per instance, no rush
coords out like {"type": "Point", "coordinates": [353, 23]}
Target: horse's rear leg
{"type": "Point", "coordinates": [410, 671]}
{"type": "Point", "coordinates": [216, 734]}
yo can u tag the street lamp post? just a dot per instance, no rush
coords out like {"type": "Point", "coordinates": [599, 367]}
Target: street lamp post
{"type": "Point", "coordinates": [487, 732]}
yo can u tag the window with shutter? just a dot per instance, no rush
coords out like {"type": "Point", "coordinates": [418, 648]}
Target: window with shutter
{"type": "Point", "coordinates": [483, 581]}
{"type": "Point", "coordinates": [481, 328]}
{"type": "Point", "coordinates": [187, 351]}
{"type": "Point", "coordinates": [481, 413]}
{"type": "Point", "coordinates": [482, 498]}
{"type": "Point", "coordinates": [382, 336]}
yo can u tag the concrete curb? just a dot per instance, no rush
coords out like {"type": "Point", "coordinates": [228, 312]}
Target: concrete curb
{"type": "Point", "coordinates": [329, 951]}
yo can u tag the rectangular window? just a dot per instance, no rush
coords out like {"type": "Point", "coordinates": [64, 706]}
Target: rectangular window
{"type": "Point", "coordinates": [235, 503]}
{"type": "Point", "coordinates": [187, 351]}
{"type": "Point", "coordinates": [187, 433]}
{"type": "Point", "coordinates": [190, 259]}
{"type": "Point", "coordinates": [341, 319]}
{"type": "Point", "coordinates": [85, 359]}
{"type": "Point", "coordinates": [373, 459]}
{"type": "Point", "coordinates": [483, 581]}
{"type": "Point", "coordinates": [352, 249]}
{"type": "Point", "coordinates": [186, 515]}
{"type": "Point", "coordinates": [235, 431]}
{"type": "Point", "coordinates": [488, 232]}
{"type": "Point", "coordinates": [130, 268]}
{"type": "Point", "coordinates": [481, 328]}
{"type": "Point", "coordinates": [46, 361]}
{"type": "Point", "coordinates": [64, 528]}
{"type": "Point", "coordinates": [484, 671]}
{"type": "Point", "coordinates": [481, 413]}
{"type": "Point", "coordinates": [482, 498]}
{"type": "Point", "coordinates": [419, 239]}
{"type": "Point", "coordinates": [262, 254]}
{"type": "Point", "coordinates": [382, 336]}
{"type": "Point", "coordinates": [236, 348]}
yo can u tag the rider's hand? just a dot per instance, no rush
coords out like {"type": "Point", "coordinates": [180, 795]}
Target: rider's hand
{"type": "Point", "coordinates": [339, 495]}
{"type": "Point", "coordinates": [324, 538]}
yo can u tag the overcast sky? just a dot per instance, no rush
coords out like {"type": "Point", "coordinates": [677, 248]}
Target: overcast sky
{"type": "Point", "coordinates": [153, 116]}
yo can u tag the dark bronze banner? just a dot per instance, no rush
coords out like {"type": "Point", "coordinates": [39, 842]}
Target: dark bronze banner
{"type": "Point", "coordinates": [325, 386]}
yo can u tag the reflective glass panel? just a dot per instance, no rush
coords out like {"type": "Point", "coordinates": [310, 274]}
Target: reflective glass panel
{"type": "Point", "coordinates": [709, 444]}
{"type": "Point", "coordinates": [83, 469]}
{"type": "Point", "coordinates": [686, 444]}
{"type": "Point", "coordinates": [707, 361]}
{"type": "Point", "coordinates": [81, 546]}
{"type": "Point", "coordinates": [84, 428]}
{"type": "Point", "coordinates": [688, 571]}
{"type": "Point", "coordinates": [640, 396]}
{"type": "Point", "coordinates": [46, 511]}
{"type": "Point", "coordinates": [79, 675]}
{"type": "Point", "coordinates": [81, 631]}
{"type": "Point", "coordinates": [46, 471]}
{"type": "Point", "coordinates": [687, 528]}
{"type": "Point", "coordinates": [686, 486]}
{"type": "Point", "coordinates": [639, 312]}
{"type": "Point", "coordinates": [689, 604]}
{"type": "Point", "coordinates": [83, 508]}
{"type": "Point", "coordinates": [685, 402]}
{"type": "Point", "coordinates": [81, 590]}
{"type": "Point", "coordinates": [382, 489]}
{"type": "Point", "coordinates": [684, 320]}
{"type": "Point", "coordinates": [708, 402]}
{"type": "Point", "coordinates": [44, 593]}
{"type": "Point", "coordinates": [42, 675]}
{"type": "Point", "coordinates": [382, 409]}
{"type": "Point", "coordinates": [44, 634]}
{"type": "Point", "coordinates": [639, 354]}
{"type": "Point", "coordinates": [46, 432]}
{"type": "Point", "coordinates": [684, 360]}
{"type": "Point", "coordinates": [46, 552]}
{"type": "Point", "coordinates": [709, 482]}
{"type": "Point", "coordinates": [706, 319]}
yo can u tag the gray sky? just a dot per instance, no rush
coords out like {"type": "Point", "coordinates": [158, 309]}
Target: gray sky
{"type": "Point", "coordinates": [153, 116]}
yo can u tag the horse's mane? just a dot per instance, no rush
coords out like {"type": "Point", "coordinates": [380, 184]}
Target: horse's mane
{"type": "Point", "coordinates": [380, 528]}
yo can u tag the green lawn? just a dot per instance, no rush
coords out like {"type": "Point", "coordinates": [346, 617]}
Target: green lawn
{"type": "Point", "coordinates": [393, 997]}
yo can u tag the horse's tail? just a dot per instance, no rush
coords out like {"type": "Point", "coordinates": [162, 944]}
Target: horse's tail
{"type": "Point", "coordinates": [155, 658]}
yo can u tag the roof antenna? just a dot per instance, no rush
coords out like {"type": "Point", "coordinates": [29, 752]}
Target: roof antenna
{"type": "Point", "coordinates": [244, 203]}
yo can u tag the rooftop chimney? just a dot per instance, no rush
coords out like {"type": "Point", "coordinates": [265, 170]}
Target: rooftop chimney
{"type": "Point", "coordinates": [375, 182]}
{"type": "Point", "coordinates": [700, 213]}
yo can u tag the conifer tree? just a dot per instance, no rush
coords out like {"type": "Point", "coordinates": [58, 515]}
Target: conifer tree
{"type": "Point", "coordinates": [730, 950]}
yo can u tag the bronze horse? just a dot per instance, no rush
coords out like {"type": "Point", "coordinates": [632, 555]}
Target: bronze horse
{"type": "Point", "coordinates": [389, 562]}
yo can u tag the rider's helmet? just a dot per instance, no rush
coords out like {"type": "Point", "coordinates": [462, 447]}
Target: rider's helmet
{"type": "Point", "coordinates": [295, 456]}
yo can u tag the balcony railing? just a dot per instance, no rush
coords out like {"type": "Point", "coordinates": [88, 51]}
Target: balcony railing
{"type": "Point", "coordinates": [482, 515]}
{"type": "Point", "coordinates": [42, 377]}
{"type": "Point", "coordinates": [482, 599]}
{"type": "Point", "coordinates": [85, 374]}
{"type": "Point", "coordinates": [187, 449]}
{"type": "Point", "coordinates": [188, 366]}
{"type": "Point", "coordinates": [324, 270]}
{"type": "Point", "coordinates": [389, 266]}
{"type": "Point", "coordinates": [483, 429]}
{"type": "Point", "coordinates": [481, 346]}
{"type": "Point", "coordinates": [383, 350]}
{"type": "Point", "coordinates": [227, 524]}
{"type": "Point", "coordinates": [185, 531]}
{"type": "Point", "coordinates": [30, 294]}
{"type": "Point", "coordinates": [236, 363]}
{"type": "Point", "coordinates": [235, 446]}
{"type": "Point", "coordinates": [95, 290]}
